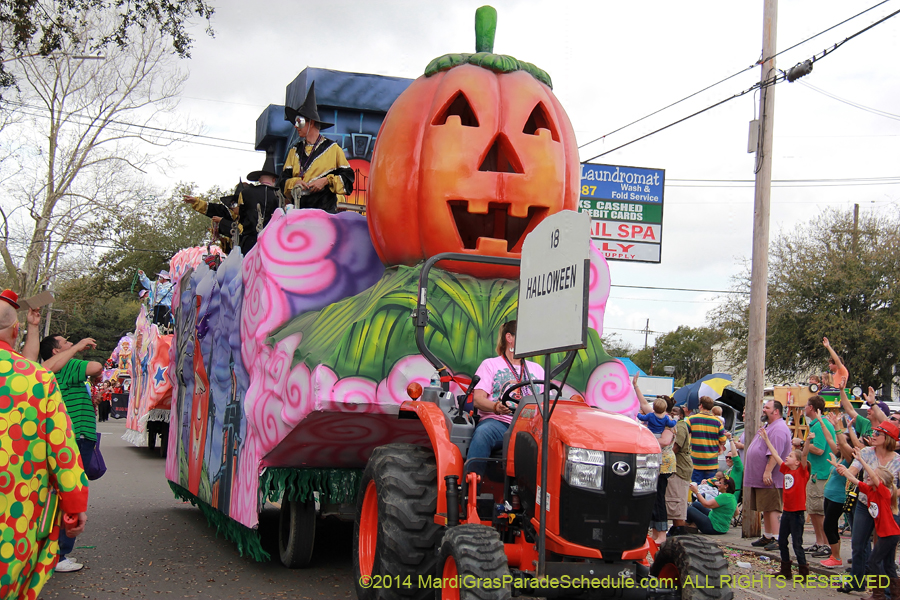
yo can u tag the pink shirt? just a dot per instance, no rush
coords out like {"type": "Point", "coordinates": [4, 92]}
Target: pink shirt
{"type": "Point", "coordinates": [496, 377]}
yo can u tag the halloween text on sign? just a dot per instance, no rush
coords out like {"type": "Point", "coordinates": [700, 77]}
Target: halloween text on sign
{"type": "Point", "coordinates": [553, 285]}
{"type": "Point", "coordinates": [613, 230]}
{"type": "Point", "coordinates": [556, 280]}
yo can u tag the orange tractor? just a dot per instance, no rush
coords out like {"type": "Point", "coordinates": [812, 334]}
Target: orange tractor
{"type": "Point", "coordinates": [429, 522]}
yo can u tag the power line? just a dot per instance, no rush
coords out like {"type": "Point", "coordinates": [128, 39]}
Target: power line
{"type": "Point", "coordinates": [760, 85]}
{"type": "Point", "coordinates": [38, 112]}
{"type": "Point", "coordinates": [744, 70]}
{"type": "Point", "coordinates": [673, 289]}
{"type": "Point", "coordinates": [869, 109]}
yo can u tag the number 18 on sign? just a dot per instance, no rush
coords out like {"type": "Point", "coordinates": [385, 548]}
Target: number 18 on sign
{"type": "Point", "coordinates": [553, 285]}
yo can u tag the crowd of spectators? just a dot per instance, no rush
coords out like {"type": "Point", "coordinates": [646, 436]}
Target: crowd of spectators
{"type": "Point", "coordinates": [787, 478]}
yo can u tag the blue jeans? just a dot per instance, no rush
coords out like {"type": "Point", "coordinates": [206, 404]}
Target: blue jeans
{"type": "Point", "coordinates": [699, 516]}
{"type": "Point", "coordinates": [700, 474]}
{"type": "Point", "coordinates": [863, 526]}
{"type": "Point", "coordinates": [488, 437]}
{"type": "Point", "coordinates": [66, 543]}
{"type": "Point", "coordinates": [792, 525]}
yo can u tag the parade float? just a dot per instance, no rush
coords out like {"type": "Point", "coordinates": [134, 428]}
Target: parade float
{"type": "Point", "coordinates": [142, 358]}
{"type": "Point", "coordinates": [290, 366]}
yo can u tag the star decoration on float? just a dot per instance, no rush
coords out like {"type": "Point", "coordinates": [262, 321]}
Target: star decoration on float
{"type": "Point", "coordinates": [160, 376]}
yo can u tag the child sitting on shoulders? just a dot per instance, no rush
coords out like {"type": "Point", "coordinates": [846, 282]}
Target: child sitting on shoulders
{"type": "Point", "coordinates": [796, 475]}
{"type": "Point", "coordinates": [658, 420]}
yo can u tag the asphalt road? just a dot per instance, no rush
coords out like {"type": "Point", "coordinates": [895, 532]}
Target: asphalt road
{"type": "Point", "coordinates": [142, 542]}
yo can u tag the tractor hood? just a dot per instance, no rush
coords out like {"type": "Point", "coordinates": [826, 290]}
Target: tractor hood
{"type": "Point", "coordinates": [580, 426]}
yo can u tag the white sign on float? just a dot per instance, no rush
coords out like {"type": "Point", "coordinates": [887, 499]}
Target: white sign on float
{"type": "Point", "coordinates": [553, 286]}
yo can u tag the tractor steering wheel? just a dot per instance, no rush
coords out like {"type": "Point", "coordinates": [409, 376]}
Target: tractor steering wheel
{"type": "Point", "coordinates": [508, 398]}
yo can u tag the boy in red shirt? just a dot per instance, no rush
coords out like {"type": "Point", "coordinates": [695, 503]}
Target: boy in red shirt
{"type": "Point", "coordinates": [796, 474]}
{"type": "Point", "coordinates": [882, 494]}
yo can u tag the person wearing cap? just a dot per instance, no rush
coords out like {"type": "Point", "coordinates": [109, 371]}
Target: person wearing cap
{"type": "Point", "coordinates": [251, 206]}
{"type": "Point", "coordinates": [316, 172]}
{"type": "Point", "coordinates": [880, 453]}
{"type": "Point", "coordinates": [35, 428]}
{"type": "Point", "coordinates": [160, 296]}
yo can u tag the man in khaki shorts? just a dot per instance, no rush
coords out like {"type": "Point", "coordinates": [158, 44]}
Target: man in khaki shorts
{"type": "Point", "coordinates": [763, 481]}
{"type": "Point", "coordinates": [678, 487]}
{"type": "Point", "coordinates": [820, 469]}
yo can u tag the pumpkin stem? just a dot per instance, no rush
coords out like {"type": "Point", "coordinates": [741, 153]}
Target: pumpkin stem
{"type": "Point", "coordinates": [485, 28]}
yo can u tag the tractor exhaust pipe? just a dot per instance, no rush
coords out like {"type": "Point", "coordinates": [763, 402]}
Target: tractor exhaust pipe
{"type": "Point", "coordinates": [452, 500]}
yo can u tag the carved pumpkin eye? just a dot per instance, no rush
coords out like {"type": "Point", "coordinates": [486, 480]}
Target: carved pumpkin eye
{"type": "Point", "coordinates": [539, 119]}
{"type": "Point", "coordinates": [458, 106]}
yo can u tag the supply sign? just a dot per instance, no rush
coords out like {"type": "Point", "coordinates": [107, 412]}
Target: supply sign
{"type": "Point", "coordinates": [625, 205]}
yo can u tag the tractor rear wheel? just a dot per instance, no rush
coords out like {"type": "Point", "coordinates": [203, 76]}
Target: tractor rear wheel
{"type": "Point", "coordinates": [692, 556]}
{"type": "Point", "coordinates": [296, 533]}
{"type": "Point", "coordinates": [472, 553]}
{"type": "Point", "coordinates": [394, 534]}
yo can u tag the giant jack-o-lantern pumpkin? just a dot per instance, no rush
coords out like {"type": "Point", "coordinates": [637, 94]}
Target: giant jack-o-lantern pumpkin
{"type": "Point", "coordinates": [470, 158]}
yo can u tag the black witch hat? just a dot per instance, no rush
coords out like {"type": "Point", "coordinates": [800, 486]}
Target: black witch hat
{"type": "Point", "coordinates": [268, 168]}
{"type": "Point", "coordinates": [309, 110]}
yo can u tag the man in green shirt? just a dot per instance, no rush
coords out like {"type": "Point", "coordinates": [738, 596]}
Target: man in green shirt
{"type": "Point", "coordinates": [819, 470]}
{"type": "Point", "coordinates": [72, 376]}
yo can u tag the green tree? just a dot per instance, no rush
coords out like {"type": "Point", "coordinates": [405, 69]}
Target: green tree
{"type": "Point", "coordinates": [616, 346]}
{"type": "Point", "coordinates": [688, 349]}
{"type": "Point", "coordinates": [147, 238]}
{"type": "Point", "coordinates": [78, 312]}
{"type": "Point", "coordinates": [33, 28]}
{"type": "Point", "coordinates": [830, 279]}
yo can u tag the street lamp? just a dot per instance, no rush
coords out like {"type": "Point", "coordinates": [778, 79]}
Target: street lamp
{"type": "Point", "coordinates": [669, 370]}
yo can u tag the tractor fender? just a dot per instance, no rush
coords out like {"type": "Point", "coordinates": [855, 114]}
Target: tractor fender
{"type": "Point", "coordinates": [446, 454]}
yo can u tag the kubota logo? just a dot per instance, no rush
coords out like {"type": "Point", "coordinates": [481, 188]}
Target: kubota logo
{"type": "Point", "coordinates": [621, 468]}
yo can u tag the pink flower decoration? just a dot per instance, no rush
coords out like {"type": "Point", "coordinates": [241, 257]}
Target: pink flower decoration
{"type": "Point", "coordinates": [609, 388]}
{"type": "Point", "coordinates": [305, 236]}
{"type": "Point", "coordinates": [599, 289]}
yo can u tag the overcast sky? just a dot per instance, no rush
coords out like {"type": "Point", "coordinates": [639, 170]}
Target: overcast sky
{"type": "Point", "coordinates": [611, 63]}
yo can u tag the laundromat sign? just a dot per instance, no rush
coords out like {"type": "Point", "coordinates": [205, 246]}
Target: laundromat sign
{"type": "Point", "coordinates": [625, 205]}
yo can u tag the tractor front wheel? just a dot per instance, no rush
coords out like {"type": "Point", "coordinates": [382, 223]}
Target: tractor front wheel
{"type": "Point", "coordinates": [394, 534]}
{"type": "Point", "coordinates": [692, 556]}
{"type": "Point", "coordinates": [473, 554]}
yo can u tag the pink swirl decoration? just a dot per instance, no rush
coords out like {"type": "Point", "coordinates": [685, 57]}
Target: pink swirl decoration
{"type": "Point", "coordinates": [265, 307]}
{"type": "Point", "coordinates": [304, 279]}
{"type": "Point", "coordinates": [297, 237]}
{"type": "Point", "coordinates": [245, 487]}
{"type": "Point", "coordinates": [354, 394]}
{"type": "Point", "coordinates": [599, 289]}
{"type": "Point", "coordinates": [609, 388]}
{"type": "Point", "coordinates": [189, 258]}
{"type": "Point", "coordinates": [414, 368]}
{"type": "Point", "coordinates": [297, 395]}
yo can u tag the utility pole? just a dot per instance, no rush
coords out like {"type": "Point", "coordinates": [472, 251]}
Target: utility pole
{"type": "Point", "coordinates": [646, 332]}
{"type": "Point", "coordinates": [855, 228]}
{"type": "Point", "coordinates": [759, 269]}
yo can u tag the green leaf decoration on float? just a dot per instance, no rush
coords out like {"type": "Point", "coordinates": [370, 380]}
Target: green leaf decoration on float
{"type": "Point", "coordinates": [485, 28]}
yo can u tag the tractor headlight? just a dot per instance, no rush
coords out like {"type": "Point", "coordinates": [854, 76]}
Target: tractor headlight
{"type": "Point", "coordinates": [647, 466]}
{"type": "Point", "coordinates": [584, 468]}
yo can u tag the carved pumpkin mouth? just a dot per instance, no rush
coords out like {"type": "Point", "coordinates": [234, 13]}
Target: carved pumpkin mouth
{"type": "Point", "coordinates": [496, 224]}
